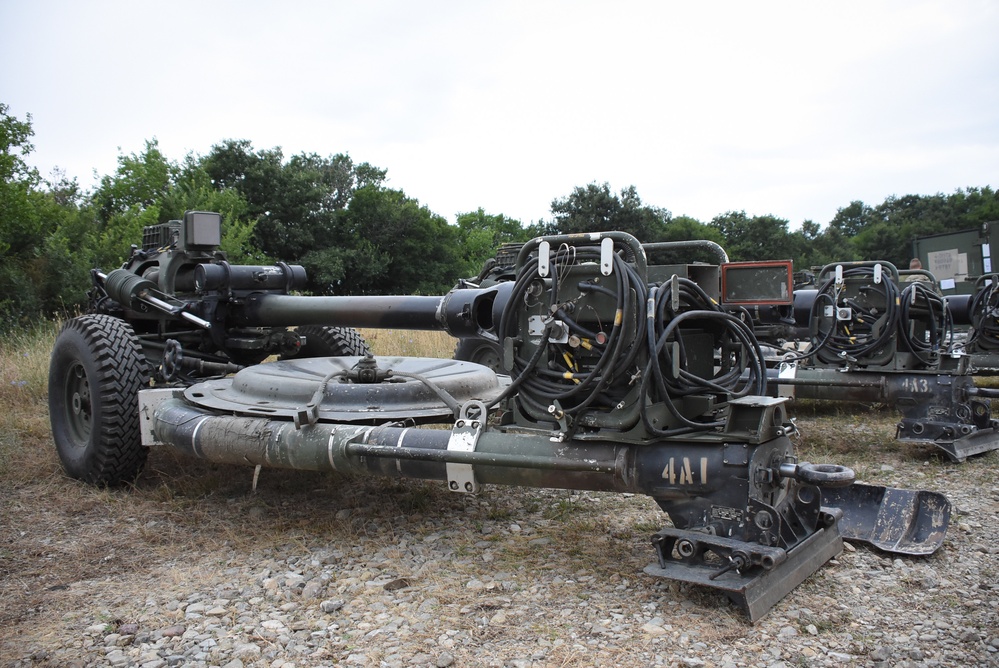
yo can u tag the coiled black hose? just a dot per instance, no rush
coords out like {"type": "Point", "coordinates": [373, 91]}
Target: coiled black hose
{"type": "Point", "coordinates": [612, 353]}
{"type": "Point", "coordinates": [921, 304]}
{"type": "Point", "coordinates": [667, 377]}
{"type": "Point", "coordinates": [984, 310]}
{"type": "Point", "coordinates": [868, 330]}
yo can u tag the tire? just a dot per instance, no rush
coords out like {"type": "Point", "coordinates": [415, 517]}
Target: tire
{"type": "Point", "coordinates": [322, 341]}
{"type": "Point", "coordinates": [480, 351]}
{"type": "Point", "coordinates": [95, 373]}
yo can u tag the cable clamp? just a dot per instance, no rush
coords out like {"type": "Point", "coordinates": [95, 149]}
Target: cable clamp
{"type": "Point", "coordinates": [464, 438]}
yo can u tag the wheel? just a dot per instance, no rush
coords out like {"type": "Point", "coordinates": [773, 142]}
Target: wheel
{"type": "Point", "coordinates": [95, 374]}
{"type": "Point", "coordinates": [480, 351]}
{"type": "Point", "coordinates": [323, 341]}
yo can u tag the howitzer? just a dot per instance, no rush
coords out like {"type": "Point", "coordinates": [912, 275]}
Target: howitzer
{"type": "Point", "coordinates": [871, 333]}
{"type": "Point", "coordinates": [620, 375]}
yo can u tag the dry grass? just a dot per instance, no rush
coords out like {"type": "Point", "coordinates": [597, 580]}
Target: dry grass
{"type": "Point", "coordinates": [409, 343]}
{"type": "Point", "coordinates": [24, 364]}
{"type": "Point", "coordinates": [861, 436]}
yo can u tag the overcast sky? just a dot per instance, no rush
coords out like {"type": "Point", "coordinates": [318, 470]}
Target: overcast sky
{"type": "Point", "coordinates": [787, 108]}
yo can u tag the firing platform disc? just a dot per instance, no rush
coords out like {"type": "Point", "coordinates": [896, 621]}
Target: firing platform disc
{"type": "Point", "coordinates": [283, 389]}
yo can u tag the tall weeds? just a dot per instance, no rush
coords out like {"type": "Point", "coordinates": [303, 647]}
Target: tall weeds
{"type": "Point", "coordinates": [24, 368]}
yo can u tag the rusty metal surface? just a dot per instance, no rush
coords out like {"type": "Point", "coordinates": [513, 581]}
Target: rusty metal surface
{"type": "Point", "coordinates": [900, 521]}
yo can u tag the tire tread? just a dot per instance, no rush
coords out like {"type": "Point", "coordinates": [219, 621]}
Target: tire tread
{"type": "Point", "coordinates": [115, 454]}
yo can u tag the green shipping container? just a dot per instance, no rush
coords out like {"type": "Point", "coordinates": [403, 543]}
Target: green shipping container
{"type": "Point", "coordinates": [958, 259]}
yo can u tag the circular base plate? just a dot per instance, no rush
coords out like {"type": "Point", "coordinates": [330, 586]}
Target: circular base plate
{"type": "Point", "coordinates": [283, 389]}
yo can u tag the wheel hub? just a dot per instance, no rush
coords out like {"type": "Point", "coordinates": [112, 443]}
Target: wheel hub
{"type": "Point", "coordinates": [78, 388]}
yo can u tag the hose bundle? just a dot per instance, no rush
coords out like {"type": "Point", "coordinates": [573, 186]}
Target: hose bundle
{"type": "Point", "coordinates": [675, 309]}
{"type": "Point", "coordinates": [588, 367]}
{"type": "Point", "coordinates": [925, 322]}
{"type": "Point", "coordinates": [582, 361]}
{"type": "Point", "coordinates": [873, 320]}
{"type": "Point", "coordinates": [984, 310]}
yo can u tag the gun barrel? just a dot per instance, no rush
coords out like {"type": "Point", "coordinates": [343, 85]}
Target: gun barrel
{"type": "Point", "coordinates": [376, 311]}
{"type": "Point", "coordinates": [462, 312]}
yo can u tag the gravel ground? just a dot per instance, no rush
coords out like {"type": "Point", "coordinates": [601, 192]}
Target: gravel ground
{"type": "Point", "coordinates": [193, 568]}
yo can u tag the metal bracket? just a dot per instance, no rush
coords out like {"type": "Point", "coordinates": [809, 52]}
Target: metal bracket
{"type": "Point", "coordinates": [786, 371]}
{"type": "Point", "coordinates": [149, 401]}
{"type": "Point", "coordinates": [606, 256]}
{"type": "Point", "coordinates": [544, 257]}
{"type": "Point", "coordinates": [768, 574]}
{"type": "Point", "coordinates": [464, 437]}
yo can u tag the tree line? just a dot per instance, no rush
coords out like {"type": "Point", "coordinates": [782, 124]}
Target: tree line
{"type": "Point", "coordinates": [355, 235]}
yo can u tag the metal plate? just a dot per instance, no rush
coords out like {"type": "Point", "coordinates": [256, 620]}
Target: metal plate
{"type": "Point", "coordinates": [900, 521]}
{"type": "Point", "coordinates": [757, 594]}
{"type": "Point", "coordinates": [281, 389]}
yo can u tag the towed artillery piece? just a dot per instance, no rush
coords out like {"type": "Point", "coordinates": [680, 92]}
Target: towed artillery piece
{"type": "Point", "coordinates": [620, 375]}
{"type": "Point", "coordinates": [871, 333]}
